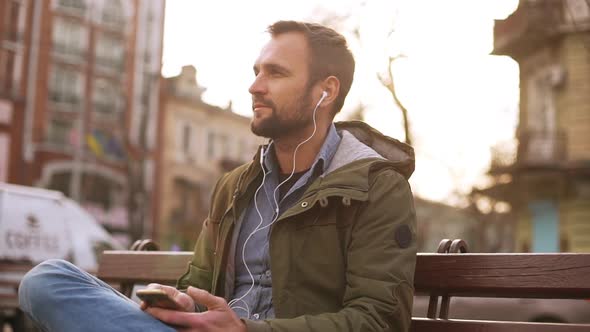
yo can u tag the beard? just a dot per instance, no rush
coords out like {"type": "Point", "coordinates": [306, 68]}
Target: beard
{"type": "Point", "coordinates": [284, 121]}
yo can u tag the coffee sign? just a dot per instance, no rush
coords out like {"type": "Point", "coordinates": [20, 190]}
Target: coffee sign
{"type": "Point", "coordinates": [34, 232]}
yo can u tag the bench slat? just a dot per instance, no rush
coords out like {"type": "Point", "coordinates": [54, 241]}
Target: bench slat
{"type": "Point", "coordinates": [563, 275]}
{"type": "Point", "coordinates": [459, 325]}
{"type": "Point", "coordinates": [142, 266]}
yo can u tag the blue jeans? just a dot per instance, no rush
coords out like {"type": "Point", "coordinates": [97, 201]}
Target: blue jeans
{"type": "Point", "coordinates": [58, 296]}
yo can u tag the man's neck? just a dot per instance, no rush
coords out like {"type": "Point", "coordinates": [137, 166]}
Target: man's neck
{"type": "Point", "coordinates": [306, 154]}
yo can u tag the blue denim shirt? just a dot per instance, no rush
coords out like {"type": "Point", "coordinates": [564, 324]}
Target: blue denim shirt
{"type": "Point", "coordinates": [257, 303]}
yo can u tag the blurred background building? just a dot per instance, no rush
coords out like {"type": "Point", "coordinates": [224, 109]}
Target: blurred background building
{"type": "Point", "coordinates": [200, 141]}
{"type": "Point", "coordinates": [79, 89]}
{"type": "Point", "coordinates": [547, 180]}
{"type": "Point", "coordinates": [84, 110]}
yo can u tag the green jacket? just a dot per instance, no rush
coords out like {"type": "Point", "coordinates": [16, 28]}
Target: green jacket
{"type": "Point", "coordinates": [342, 257]}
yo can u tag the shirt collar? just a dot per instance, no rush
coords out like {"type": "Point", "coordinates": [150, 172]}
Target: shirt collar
{"type": "Point", "coordinates": [323, 159]}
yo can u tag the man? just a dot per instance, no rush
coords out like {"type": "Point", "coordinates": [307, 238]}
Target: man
{"type": "Point", "coordinates": [317, 233]}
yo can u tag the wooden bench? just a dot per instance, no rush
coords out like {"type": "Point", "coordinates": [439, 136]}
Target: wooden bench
{"type": "Point", "coordinates": [440, 275]}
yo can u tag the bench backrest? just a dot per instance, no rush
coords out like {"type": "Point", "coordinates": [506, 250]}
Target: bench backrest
{"type": "Point", "coordinates": [490, 275]}
{"type": "Point", "coordinates": [560, 276]}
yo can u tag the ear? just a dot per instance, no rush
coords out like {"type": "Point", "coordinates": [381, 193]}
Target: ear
{"type": "Point", "coordinates": [331, 85]}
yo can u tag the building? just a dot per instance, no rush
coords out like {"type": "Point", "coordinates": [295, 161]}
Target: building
{"type": "Point", "coordinates": [547, 183]}
{"type": "Point", "coordinates": [79, 89]}
{"type": "Point", "coordinates": [200, 142]}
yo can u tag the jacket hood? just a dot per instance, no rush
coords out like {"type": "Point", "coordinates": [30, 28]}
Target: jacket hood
{"type": "Point", "coordinates": [360, 141]}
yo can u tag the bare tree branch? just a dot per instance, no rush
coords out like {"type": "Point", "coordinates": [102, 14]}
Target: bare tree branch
{"type": "Point", "coordinates": [389, 83]}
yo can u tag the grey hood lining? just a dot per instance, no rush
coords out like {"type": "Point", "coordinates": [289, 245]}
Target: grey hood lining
{"type": "Point", "coordinates": [349, 150]}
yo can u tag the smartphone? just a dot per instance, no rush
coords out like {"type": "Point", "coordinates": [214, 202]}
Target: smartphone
{"type": "Point", "coordinates": [154, 297]}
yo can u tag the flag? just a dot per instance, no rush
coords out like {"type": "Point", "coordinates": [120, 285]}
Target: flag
{"type": "Point", "coordinates": [94, 145]}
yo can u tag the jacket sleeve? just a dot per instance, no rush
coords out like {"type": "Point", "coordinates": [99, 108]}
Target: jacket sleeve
{"type": "Point", "coordinates": [380, 272]}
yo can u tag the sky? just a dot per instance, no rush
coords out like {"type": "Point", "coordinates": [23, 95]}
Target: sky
{"type": "Point", "coordinates": [461, 99]}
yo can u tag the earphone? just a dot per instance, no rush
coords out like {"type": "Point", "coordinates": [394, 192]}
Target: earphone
{"type": "Point", "coordinates": [232, 303]}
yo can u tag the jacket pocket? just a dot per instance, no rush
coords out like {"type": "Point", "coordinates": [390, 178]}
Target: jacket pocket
{"type": "Point", "coordinates": [198, 277]}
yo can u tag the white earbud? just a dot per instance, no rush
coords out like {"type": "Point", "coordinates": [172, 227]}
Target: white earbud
{"type": "Point", "coordinates": [324, 95]}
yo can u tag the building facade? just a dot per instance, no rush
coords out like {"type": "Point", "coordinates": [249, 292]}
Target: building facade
{"type": "Point", "coordinates": [79, 89]}
{"type": "Point", "coordinates": [199, 142]}
{"type": "Point", "coordinates": [548, 181]}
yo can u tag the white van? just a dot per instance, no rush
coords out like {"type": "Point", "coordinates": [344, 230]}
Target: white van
{"type": "Point", "coordinates": [37, 224]}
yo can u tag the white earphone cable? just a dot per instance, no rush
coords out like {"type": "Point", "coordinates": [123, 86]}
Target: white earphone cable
{"type": "Point", "coordinates": [258, 227]}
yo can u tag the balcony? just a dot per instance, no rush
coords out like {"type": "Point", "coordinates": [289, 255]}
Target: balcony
{"type": "Point", "coordinates": [541, 149]}
{"type": "Point", "coordinates": [109, 63]}
{"type": "Point", "coordinates": [532, 24]}
{"type": "Point", "coordinates": [535, 150]}
{"type": "Point", "coordinates": [70, 52]}
{"type": "Point", "coordinates": [61, 97]}
{"type": "Point", "coordinates": [76, 8]}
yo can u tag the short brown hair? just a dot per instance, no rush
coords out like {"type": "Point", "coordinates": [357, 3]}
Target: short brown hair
{"type": "Point", "coordinates": [330, 55]}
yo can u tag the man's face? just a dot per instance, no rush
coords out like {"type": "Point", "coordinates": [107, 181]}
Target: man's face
{"type": "Point", "coordinates": [281, 97]}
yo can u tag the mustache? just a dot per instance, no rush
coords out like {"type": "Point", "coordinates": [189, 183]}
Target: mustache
{"type": "Point", "coordinates": [263, 101]}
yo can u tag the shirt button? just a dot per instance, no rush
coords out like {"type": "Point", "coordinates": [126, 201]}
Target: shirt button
{"type": "Point", "coordinates": [267, 273]}
{"type": "Point", "coordinates": [256, 316]}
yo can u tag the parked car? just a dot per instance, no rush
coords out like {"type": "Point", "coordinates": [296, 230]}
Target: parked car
{"type": "Point", "coordinates": [509, 309]}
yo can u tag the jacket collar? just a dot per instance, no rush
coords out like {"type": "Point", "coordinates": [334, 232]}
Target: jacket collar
{"type": "Point", "coordinates": [360, 147]}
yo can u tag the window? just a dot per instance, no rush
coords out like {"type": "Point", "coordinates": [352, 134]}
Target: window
{"type": "Point", "coordinates": [59, 131]}
{"type": "Point", "coordinates": [73, 6]}
{"type": "Point", "coordinates": [6, 66]}
{"type": "Point", "coordinates": [69, 37]}
{"type": "Point", "coordinates": [186, 139]}
{"type": "Point", "coordinates": [107, 97]}
{"type": "Point", "coordinates": [109, 51]}
{"type": "Point", "coordinates": [113, 13]}
{"type": "Point", "coordinates": [4, 156]}
{"type": "Point", "coordinates": [211, 144]}
{"type": "Point", "coordinates": [146, 87]}
{"type": "Point", "coordinates": [13, 21]}
{"type": "Point", "coordinates": [224, 146]}
{"type": "Point", "coordinates": [65, 85]}
{"type": "Point", "coordinates": [60, 182]}
{"type": "Point", "coordinates": [541, 105]}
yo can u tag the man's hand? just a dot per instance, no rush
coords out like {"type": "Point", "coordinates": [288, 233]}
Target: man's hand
{"type": "Point", "coordinates": [218, 317]}
{"type": "Point", "coordinates": [186, 302]}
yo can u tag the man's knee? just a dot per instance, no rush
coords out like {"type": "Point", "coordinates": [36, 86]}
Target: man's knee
{"type": "Point", "coordinates": [36, 285]}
